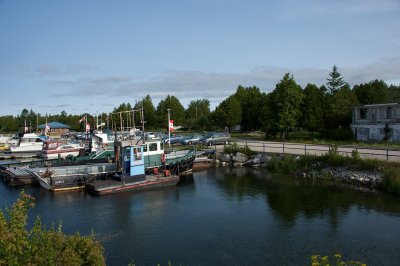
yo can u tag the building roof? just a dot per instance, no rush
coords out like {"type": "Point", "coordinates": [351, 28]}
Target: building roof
{"type": "Point", "coordinates": [54, 125]}
{"type": "Point", "coordinates": [378, 105]}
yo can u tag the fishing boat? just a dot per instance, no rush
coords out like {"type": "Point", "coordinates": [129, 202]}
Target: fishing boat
{"type": "Point", "coordinates": [131, 172]}
{"type": "Point", "coordinates": [72, 177]}
{"type": "Point", "coordinates": [29, 142]}
{"type": "Point", "coordinates": [54, 149]}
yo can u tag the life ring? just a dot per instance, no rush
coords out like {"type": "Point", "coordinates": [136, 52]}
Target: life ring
{"type": "Point", "coordinates": [163, 158]}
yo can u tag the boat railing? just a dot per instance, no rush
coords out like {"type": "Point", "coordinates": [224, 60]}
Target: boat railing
{"type": "Point", "coordinates": [183, 156]}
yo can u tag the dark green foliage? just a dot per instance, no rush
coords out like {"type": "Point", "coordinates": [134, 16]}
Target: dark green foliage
{"type": "Point", "coordinates": [372, 93]}
{"type": "Point", "coordinates": [343, 133]}
{"type": "Point", "coordinates": [177, 112]}
{"type": "Point", "coordinates": [282, 111]}
{"type": "Point", "coordinates": [387, 131]}
{"type": "Point", "coordinates": [285, 164]}
{"type": "Point", "coordinates": [335, 81]}
{"type": "Point", "coordinates": [198, 115]}
{"type": "Point", "coordinates": [39, 246]}
{"type": "Point", "coordinates": [339, 107]}
{"type": "Point", "coordinates": [233, 147]}
{"type": "Point", "coordinates": [391, 180]}
{"type": "Point", "coordinates": [250, 99]}
{"type": "Point", "coordinates": [312, 108]}
{"type": "Point", "coordinates": [149, 112]}
{"type": "Point", "coordinates": [228, 113]}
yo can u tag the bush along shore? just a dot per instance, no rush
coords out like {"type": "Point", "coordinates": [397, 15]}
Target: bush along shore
{"type": "Point", "coordinates": [350, 170]}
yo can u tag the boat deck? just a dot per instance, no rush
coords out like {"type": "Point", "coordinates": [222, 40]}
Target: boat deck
{"type": "Point", "coordinates": [100, 187]}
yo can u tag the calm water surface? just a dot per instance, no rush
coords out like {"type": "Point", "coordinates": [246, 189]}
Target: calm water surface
{"type": "Point", "coordinates": [224, 216]}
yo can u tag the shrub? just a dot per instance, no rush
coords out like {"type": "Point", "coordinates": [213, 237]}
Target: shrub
{"type": "Point", "coordinates": [233, 147]}
{"type": "Point", "coordinates": [391, 180]}
{"type": "Point", "coordinates": [39, 246]}
{"type": "Point", "coordinates": [317, 260]}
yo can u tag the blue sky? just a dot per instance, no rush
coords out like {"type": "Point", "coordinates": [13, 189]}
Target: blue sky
{"type": "Point", "coordinates": [87, 56]}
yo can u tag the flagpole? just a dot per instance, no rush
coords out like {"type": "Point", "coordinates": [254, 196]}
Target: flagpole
{"type": "Point", "coordinates": [169, 130]}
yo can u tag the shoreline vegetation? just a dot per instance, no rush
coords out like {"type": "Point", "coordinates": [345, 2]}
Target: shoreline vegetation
{"type": "Point", "coordinates": [351, 170]}
{"type": "Point", "coordinates": [39, 245]}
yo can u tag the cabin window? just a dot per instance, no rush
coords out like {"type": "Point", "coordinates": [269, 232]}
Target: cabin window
{"type": "Point", "coordinates": [363, 113]}
{"type": "Point", "coordinates": [153, 147]}
{"type": "Point", "coordinates": [138, 154]}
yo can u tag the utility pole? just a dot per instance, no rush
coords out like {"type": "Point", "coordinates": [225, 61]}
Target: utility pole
{"type": "Point", "coordinates": [143, 134]}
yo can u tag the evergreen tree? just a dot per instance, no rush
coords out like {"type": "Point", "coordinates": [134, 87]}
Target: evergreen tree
{"type": "Point", "coordinates": [335, 81]}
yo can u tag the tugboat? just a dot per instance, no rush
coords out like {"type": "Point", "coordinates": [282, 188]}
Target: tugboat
{"type": "Point", "coordinates": [132, 174]}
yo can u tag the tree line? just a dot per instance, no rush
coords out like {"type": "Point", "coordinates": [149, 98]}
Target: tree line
{"type": "Point", "coordinates": [324, 110]}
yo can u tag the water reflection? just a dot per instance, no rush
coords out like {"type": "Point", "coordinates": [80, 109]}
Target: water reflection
{"type": "Point", "coordinates": [292, 197]}
{"type": "Point", "coordinates": [223, 216]}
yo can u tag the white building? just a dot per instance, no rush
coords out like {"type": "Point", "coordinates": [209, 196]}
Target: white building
{"type": "Point", "coordinates": [376, 122]}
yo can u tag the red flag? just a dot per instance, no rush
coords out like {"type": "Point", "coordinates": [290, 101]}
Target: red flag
{"type": "Point", "coordinates": [87, 127]}
{"type": "Point", "coordinates": [171, 125]}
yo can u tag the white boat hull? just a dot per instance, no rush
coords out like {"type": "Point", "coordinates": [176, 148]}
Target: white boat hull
{"type": "Point", "coordinates": [34, 147]}
{"type": "Point", "coordinates": [60, 154]}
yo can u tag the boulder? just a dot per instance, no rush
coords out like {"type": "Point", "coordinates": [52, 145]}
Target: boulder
{"type": "Point", "coordinates": [240, 158]}
{"type": "Point", "coordinates": [225, 158]}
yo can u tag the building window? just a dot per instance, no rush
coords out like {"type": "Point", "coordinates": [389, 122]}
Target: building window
{"type": "Point", "coordinates": [363, 113]}
{"type": "Point", "coordinates": [389, 112]}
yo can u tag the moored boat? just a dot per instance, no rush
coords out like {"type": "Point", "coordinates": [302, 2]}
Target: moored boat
{"type": "Point", "coordinates": [28, 143]}
{"type": "Point", "coordinates": [71, 177]}
{"type": "Point", "coordinates": [54, 149]}
{"type": "Point", "coordinates": [131, 173]}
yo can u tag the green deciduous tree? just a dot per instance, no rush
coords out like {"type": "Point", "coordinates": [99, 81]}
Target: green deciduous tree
{"type": "Point", "coordinates": [228, 113]}
{"type": "Point", "coordinates": [284, 106]}
{"type": "Point", "coordinates": [198, 114]}
{"type": "Point", "coordinates": [372, 92]}
{"type": "Point", "coordinates": [250, 102]}
{"type": "Point", "coordinates": [177, 111]}
{"type": "Point", "coordinates": [313, 108]}
{"type": "Point", "coordinates": [39, 246]}
{"type": "Point", "coordinates": [149, 112]}
{"type": "Point", "coordinates": [340, 108]}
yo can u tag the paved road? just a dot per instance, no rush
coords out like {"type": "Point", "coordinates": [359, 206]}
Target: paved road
{"type": "Point", "coordinates": [313, 149]}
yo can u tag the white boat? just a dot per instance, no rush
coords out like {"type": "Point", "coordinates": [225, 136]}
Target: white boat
{"type": "Point", "coordinates": [29, 142]}
{"type": "Point", "coordinates": [4, 140]}
{"type": "Point", "coordinates": [54, 149]}
{"type": "Point", "coordinates": [102, 141]}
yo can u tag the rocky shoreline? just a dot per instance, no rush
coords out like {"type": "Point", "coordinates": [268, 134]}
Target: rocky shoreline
{"type": "Point", "coordinates": [360, 178]}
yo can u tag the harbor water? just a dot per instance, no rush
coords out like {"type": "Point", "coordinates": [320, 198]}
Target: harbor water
{"type": "Point", "coordinates": [229, 216]}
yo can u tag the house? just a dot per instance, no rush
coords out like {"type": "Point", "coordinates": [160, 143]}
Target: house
{"type": "Point", "coordinates": [376, 122]}
{"type": "Point", "coordinates": [55, 128]}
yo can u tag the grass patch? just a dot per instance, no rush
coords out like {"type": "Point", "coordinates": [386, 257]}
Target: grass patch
{"type": "Point", "coordinates": [391, 180]}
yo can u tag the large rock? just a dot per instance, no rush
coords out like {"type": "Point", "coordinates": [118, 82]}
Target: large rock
{"type": "Point", "coordinates": [225, 158]}
{"type": "Point", "coordinates": [240, 158]}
